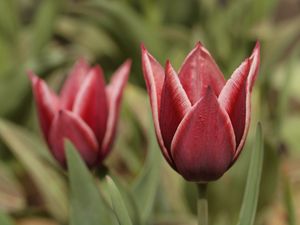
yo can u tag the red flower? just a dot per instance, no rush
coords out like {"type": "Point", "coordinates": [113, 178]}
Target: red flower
{"type": "Point", "coordinates": [85, 112]}
{"type": "Point", "coordinates": [201, 120]}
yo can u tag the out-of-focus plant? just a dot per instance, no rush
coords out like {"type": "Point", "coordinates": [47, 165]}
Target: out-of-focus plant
{"type": "Point", "coordinates": [49, 35]}
{"type": "Point", "coordinates": [86, 111]}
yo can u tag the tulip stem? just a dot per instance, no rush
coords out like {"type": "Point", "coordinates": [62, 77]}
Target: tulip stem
{"type": "Point", "coordinates": [202, 204]}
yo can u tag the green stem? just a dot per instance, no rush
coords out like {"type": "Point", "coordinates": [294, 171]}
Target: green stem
{"type": "Point", "coordinates": [202, 204]}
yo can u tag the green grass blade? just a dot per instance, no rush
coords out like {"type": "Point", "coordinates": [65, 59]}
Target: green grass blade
{"type": "Point", "coordinates": [249, 205]}
{"type": "Point", "coordinates": [288, 202]}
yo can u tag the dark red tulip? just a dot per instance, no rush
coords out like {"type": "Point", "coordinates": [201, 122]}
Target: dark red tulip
{"type": "Point", "coordinates": [201, 120]}
{"type": "Point", "coordinates": [86, 111]}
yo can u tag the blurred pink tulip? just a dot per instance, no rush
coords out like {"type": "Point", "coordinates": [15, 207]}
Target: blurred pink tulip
{"type": "Point", "coordinates": [201, 120]}
{"type": "Point", "coordinates": [86, 111]}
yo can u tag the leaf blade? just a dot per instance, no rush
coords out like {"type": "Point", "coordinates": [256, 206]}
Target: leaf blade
{"type": "Point", "coordinates": [146, 185]}
{"type": "Point", "coordinates": [87, 205]}
{"type": "Point", "coordinates": [118, 203]}
{"type": "Point", "coordinates": [249, 205]}
{"type": "Point", "coordinates": [288, 202]}
{"type": "Point", "coordinates": [44, 22]}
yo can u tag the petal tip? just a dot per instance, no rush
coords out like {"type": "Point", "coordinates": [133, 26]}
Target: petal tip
{"type": "Point", "coordinates": [127, 64]}
{"type": "Point", "coordinates": [144, 49]}
{"type": "Point", "coordinates": [255, 52]}
{"type": "Point", "coordinates": [198, 44]}
{"type": "Point", "coordinates": [145, 55]}
{"type": "Point", "coordinates": [32, 77]}
{"type": "Point", "coordinates": [168, 67]}
{"type": "Point", "coordinates": [257, 45]}
{"type": "Point", "coordinates": [199, 48]}
{"type": "Point", "coordinates": [168, 63]}
{"type": "Point", "coordinates": [81, 61]}
{"type": "Point", "coordinates": [97, 70]}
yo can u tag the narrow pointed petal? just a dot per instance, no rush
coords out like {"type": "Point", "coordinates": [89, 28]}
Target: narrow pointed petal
{"type": "Point", "coordinates": [114, 93]}
{"type": "Point", "coordinates": [91, 103]}
{"type": "Point", "coordinates": [255, 61]}
{"type": "Point", "coordinates": [235, 97]}
{"type": "Point", "coordinates": [73, 83]}
{"type": "Point", "coordinates": [198, 71]}
{"type": "Point", "coordinates": [174, 105]}
{"type": "Point", "coordinates": [154, 76]}
{"type": "Point", "coordinates": [47, 103]}
{"type": "Point", "coordinates": [204, 143]}
{"type": "Point", "coordinates": [67, 125]}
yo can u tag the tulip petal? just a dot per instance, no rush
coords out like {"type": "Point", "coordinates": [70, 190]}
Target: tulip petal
{"type": "Point", "coordinates": [174, 105]}
{"type": "Point", "coordinates": [73, 83]}
{"type": "Point", "coordinates": [91, 103]}
{"type": "Point", "coordinates": [235, 97]}
{"type": "Point", "coordinates": [204, 143]}
{"type": "Point", "coordinates": [154, 76]}
{"type": "Point", "coordinates": [67, 125]}
{"type": "Point", "coordinates": [198, 71]}
{"type": "Point", "coordinates": [114, 93]}
{"type": "Point", "coordinates": [47, 103]}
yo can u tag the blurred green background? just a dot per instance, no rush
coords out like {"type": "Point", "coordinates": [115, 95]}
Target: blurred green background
{"type": "Point", "coordinates": [48, 36]}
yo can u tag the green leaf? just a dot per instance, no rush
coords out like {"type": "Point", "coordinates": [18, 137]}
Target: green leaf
{"type": "Point", "coordinates": [13, 83]}
{"type": "Point", "coordinates": [126, 24]}
{"type": "Point", "coordinates": [85, 34]}
{"type": "Point", "coordinates": [88, 207]}
{"type": "Point", "coordinates": [117, 203]}
{"type": "Point", "coordinates": [288, 201]}
{"type": "Point", "coordinates": [44, 23]}
{"type": "Point", "coordinates": [146, 185]}
{"type": "Point", "coordinates": [5, 219]}
{"type": "Point", "coordinates": [9, 21]}
{"type": "Point", "coordinates": [26, 151]}
{"type": "Point", "coordinates": [126, 195]}
{"type": "Point", "coordinates": [249, 205]}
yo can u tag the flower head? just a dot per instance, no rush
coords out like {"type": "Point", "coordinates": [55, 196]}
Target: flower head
{"type": "Point", "coordinates": [201, 120]}
{"type": "Point", "coordinates": [85, 112]}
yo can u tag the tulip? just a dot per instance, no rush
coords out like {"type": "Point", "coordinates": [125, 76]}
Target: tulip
{"type": "Point", "coordinates": [201, 120]}
{"type": "Point", "coordinates": [85, 112]}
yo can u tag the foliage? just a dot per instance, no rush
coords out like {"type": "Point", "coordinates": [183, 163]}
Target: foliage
{"type": "Point", "coordinates": [47, 36]}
